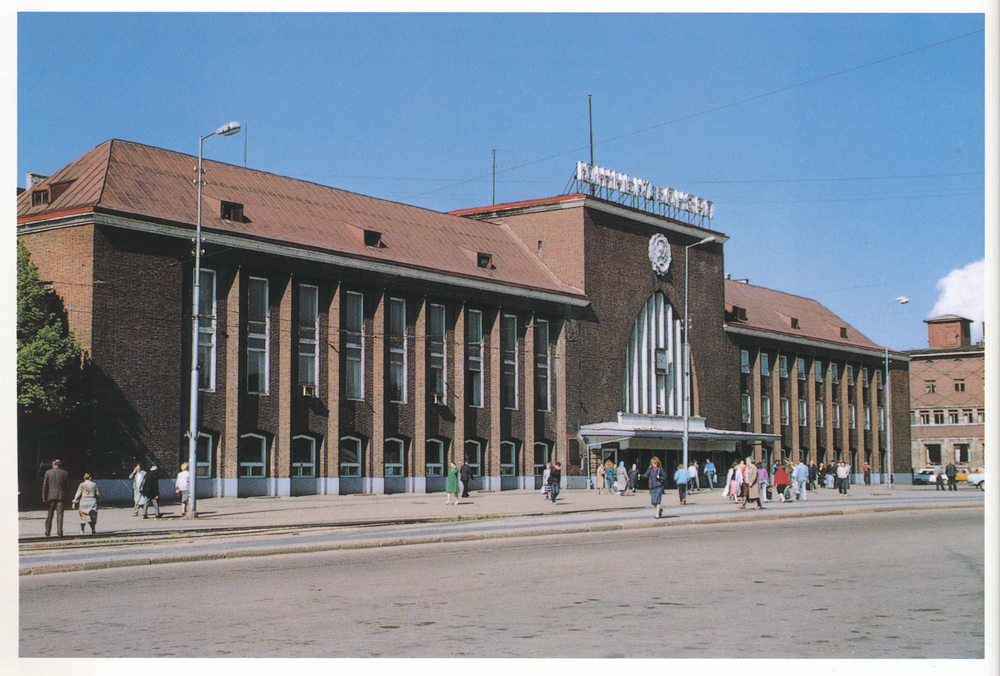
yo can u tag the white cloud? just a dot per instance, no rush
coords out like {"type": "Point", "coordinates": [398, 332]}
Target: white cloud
{"type": "Point", "coordinates": [962, 294]}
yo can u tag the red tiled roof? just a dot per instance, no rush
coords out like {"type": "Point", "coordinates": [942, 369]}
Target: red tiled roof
{"type": "Point", "coordinates": [773, 311]}
{"type": "Point", "coordinates": [132, 179]}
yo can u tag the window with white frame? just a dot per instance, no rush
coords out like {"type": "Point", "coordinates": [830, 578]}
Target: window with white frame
{"type": "Point", "coordinates": [783, 366]}
{"type": "Point", "coordinates": [864, 376]}
{"type": "Point", "coordinates": [474, 358]}
{"type": "Point", "coordinates": [395, 455]}
{"type": "Point", "coordinates": [543, 453]}
{"type": "Point", "coordinates": [651, 383]}
{"type": "Point", "coordinates": [868, 417]}
{"type": "Point", "coordinates": [803, 413]}
{"type": "Point", "coordinates": [820, 411]}
{"type": "Point", "coordinates": [800, 364]}
{"type": "Point", "coordinates": [474, 456]}
{"type": "Point", "coordinates": [939, 417]}
{"type": "Point", "coordinates": [204, 455]}
{"type": "Point", "coordinates": [508, 458]}
{"type": "Point", "coordinates": [308, 337]}
{"type": "Point", "coordinates": [542, 394]}
{"type": "Point", "coordinates": [437, 355]}
{"type": "Point", "coordinates": [849, 374]}
{"type": "Point", "coordinates": [258, 336]}
{"type": "Point", "coordinates": [744, 361]}
{"type": "Point", "coordinates": [252, 458]}
{"type": "Point", "coordinates": [396, 340]}
{"type": "Point", "coordinates": [852, 414]}
{"type": "Point", "coordinates": [508, 361]}
{"type": "Point", "coordinates": [745, 407]}
{"type": "Point", "coordinates": [354, 345]}
{"type": "Point", "coordinates": [434, 457]}
{"type": "Point", "coordinates": [960, 384]}
{"type": "Point", "coordinates": [980, 415]}
{"type": "Point", "coordinates": [351, 456]}
{"type": "Point", "coordinates": [836, 414]}
{"type": "Point", "coordinates": [834, 374]}
{"type": "Point", "coordinates": [962, 453]}
{"type": "Point", "coordinates": [207, 330]}
{"type": "Point", "coordinates": [878, 379]}
{"type": "Point", "coordinates": [968, 416]}
{"type": "Point", "coordinates": [925, 417]}
{"type": "Point", "coordinates": [881, 418]}
{"type": "Point", "coordinates": [785, 413]}
{"type": "Point", "coordinates": [952, 417]}
{"type": "Point", "coordinates": [819, 371]}
{"type": "Point", "coordinates": [765, 365]}
{"type": "Point", "coordinates": [303, 452]}
{"type": "Point", "coordinates": [765, 410]}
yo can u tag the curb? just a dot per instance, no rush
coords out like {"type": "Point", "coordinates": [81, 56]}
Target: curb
{"type": "Point", "coordinates": [467, 537]}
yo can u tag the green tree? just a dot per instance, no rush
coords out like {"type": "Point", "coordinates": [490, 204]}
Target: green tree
{"type": "Point", "coordinates": [48, 355]}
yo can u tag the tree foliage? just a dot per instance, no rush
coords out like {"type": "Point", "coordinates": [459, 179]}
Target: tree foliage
{"type": "Point", "coordinates": [48, 355]}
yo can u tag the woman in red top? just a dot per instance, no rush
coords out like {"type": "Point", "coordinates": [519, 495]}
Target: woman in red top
{"type": "Point", "coordinates": [781, 482]}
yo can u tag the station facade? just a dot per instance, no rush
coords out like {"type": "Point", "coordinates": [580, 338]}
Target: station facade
{"type": "Point", "coordinates": [352, 345]}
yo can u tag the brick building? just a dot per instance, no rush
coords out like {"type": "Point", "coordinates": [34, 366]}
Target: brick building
{"type": "Point", "coordinates": [353, 345]}
{"type": "Point", "coordinates": [947, 397]}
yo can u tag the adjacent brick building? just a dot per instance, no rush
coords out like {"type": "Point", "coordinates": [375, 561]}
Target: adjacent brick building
{"type": "Point", "coordinates": [948, 397]}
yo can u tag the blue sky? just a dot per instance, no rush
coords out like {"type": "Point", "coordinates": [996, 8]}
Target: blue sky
{"type": "Point", "coordinates": [844, 152]}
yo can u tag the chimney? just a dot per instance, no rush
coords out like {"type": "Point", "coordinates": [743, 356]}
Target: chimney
{"type": "Point", "coordinates": [34, 179]}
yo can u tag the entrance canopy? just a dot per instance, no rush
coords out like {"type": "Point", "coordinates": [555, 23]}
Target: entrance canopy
{"type": "Point", "coordinates": [657, 432]}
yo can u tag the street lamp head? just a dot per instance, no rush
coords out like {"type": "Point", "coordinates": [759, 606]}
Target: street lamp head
{"type": "Point", "coordinates": [902, 300]}
{"type": "Point", "coordinates": [229, 129]}
{"type": "Point", "coordinates": [710, 238]}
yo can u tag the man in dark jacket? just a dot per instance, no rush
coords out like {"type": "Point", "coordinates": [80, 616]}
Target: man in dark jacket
{"type": "Point", "coordinates": [55, 492]}
{"type": "Point", "coordinates": [466, 475]}
{"type": "Point", "coordinates": [950, 471]}
{"type": "Point", "coordinates": [150, 490]}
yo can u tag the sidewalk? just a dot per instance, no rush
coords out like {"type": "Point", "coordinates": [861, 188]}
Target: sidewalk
{"type": "Point", "coordinates": [216, 514]}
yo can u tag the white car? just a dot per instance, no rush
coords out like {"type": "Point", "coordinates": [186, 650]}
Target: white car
{"type": "Point", "coordinates": [926, 476]}
{"type": "Point", "coordinates": [976, 479]}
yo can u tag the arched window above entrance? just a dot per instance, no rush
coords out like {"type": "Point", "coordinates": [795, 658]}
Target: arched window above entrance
{"type": "Point", "coordinates": [652, 378]}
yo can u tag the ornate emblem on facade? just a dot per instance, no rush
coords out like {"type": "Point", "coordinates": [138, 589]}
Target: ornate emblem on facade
{"type": "Point", "coordinates": [659, 253]}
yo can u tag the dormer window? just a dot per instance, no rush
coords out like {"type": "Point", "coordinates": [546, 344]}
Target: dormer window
{"type": "Point", "coordinates": [484, 260]}
{"type": "Point", "coordinates": [39, 197]}
{"type": "Point", "coordinates": [373, 238]}
{"type": "Point", "coordinates": [843, 332]}
{"type": "Point", "coordinates": [740, 313]}
{"type": "Point", "coordinates": [232, 211]}
{"type": "Point", "coordinates": [795, 322]}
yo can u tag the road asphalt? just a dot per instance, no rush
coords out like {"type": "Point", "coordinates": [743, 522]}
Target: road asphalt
{"type": "Point", "coordinates": [234, 527]}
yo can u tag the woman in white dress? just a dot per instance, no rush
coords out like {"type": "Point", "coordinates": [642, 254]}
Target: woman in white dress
{"type": "Point", "coordinates": [86, 498]}
{"type": "Point", "coordinates": [622, 479]}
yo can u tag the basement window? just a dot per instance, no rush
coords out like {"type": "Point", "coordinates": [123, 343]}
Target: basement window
{"type": "Point", "coordinates": [232, 211]}
{"type": "Point", "coordinates": [39, 197]}
{"type": "Point", "coordinates": [373, 238]}
{"type": "Point", "coordinates": [484, 260]}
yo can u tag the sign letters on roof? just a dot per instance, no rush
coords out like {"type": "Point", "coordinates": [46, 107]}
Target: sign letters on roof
{"type": "Point", "coordinates": [637, 187]}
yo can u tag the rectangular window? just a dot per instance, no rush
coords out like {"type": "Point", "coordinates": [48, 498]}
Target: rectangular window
{"type": "Point", "coordinates": [765, 365]}
{"type": "Point", "coordinates": [834, 374]}
{"type": "Point", "coordinates": [819, 371]}
{"type": "Point", "coordinates": [308, 337]}
{"type": "Point", "coordinates": [952, 417]}
{"type": "Point", "coordinates": [258, 336]}
{"type": "Point", "coordinates": [800, 364]}
{"type": "Point", "coordinates": [542, 395]}
{"type": "Point", "coordinates": [868, 417]}
{"type": "Point", "coordinates": [930, 386]}
{"type": "Point", "coordinates": [803, 413]}
{"type": "Point", "coordinates": [746, 407]}
{"type": "Point", "coordinates": [820, 410]}
{"type": "Point", "coordinates": [933, 454]}
{"type": "Point", "coordinates": [836, 415]}
{"type": "Point", "coordinates": [881, 418]}
{"type": "Point", "coordinates": [783, 366]}
{"type": "Point", "coordinates": [351, 455]}
{"type": "Point", "coordinates": [744, 361]}
{"type": "Point", "coordinates": [474, 358]}
{"type": "Point", "coordinates": [207, 329]}
{"type": "Point", "coordinates": [864, 376]}
{"type": "Point", "coordinates": [765, 410]}
{"type": "Point", "coordinates": [354, 345]}
{"type": "Point", "coordinates": [435, 457]}
{"type": "Point", "coordinates": [396, 339]}
{"type": "Point", "coordinates": [878, 379]}
{"type": "Point", "coordinates": [508, 458]}
{"type": "Point", "coordinates": [394, 453]}
{"type": "Point", "coordinates": [508, 361]}
{"type": "Point", "coordinates": [968, 416]}
{"type": "Point", "coordinates": [962, 453]}
{"type": "Point", "coordinates": [784, 411]}
{"type": "Point", "coordinates": [203, 455]}
{"type": "Point", "coordinates": [303, 454]}
{"type": "Point", "coordinates": [437, 351]}
{"type": "Point", "coordinates": [960, 384]}
{"type": "Point", "coordinates": [852, 412]}
{"type": "Point", "coordinates": [252, 456]}
{"type": "Point", "coordinates": [925, 417]}
{"type": "Point", "coordinates": [849, 374]}
{"type": "Point", "coordinates": [939, 417]}
{"type": "Point", "coordinates": [980, 415]}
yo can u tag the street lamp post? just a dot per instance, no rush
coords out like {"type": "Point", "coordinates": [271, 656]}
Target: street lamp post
{"type": "Point", "coordinates": [902, 300]}
{"type": "Point", "coordinates": [192, 512]}
{"type": "Point", "coordinates": [686, 357]}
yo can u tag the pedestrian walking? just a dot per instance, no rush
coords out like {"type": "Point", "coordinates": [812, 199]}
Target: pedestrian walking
{"type": "Point", "coordinates": [751, 485]}
{"type": "Point", "coordinates": [780, 482]}
{"type": "Point", "coordinates": [182, 486]}
{"type": "Point", "coordinates": [545, 480]}
{"type": "Point", "coordinates": [609, 476]}
{"type": "Point", "coordinates": [600, 479]}
{"type": "Point", "coordinates": [763, 479]}
{"type": "Point", "coordinates": [55, 492]}
{"type": "Point", "coordinates": [844, 477]}
{"type": "Point", "coordinates": [682, 478]}
{"type": "Point", "coordinates": [621, 482]}
{"type": "Point", "coordinates": [831, 475]}
{"type": "Point", "coordinates": [86, 497]}
{"type": "Point", "coordinates": [813, 471]}
{"type": "Point", "coordinates": [801, 478]}
{"type": "Point", "coordinates": [150, 490]}
{"type": "Point", "coordinates": [657, 477]}
{"type": "Point", "coordinates": [451, 484]}
{"type": "Point", "coordinates": [693, 484]}
{"type": "Point", "coordinates": [868, 474]}
{"type": "Point", "coordinates": [710, 474]}
{"type": "Point", "coordinates": [633, 478]}
{"type": "Point", "coordinates": [467, 475]}
{"type": "Point", "coordinates": [939, 482]}
{"type": "Point", "coordinates": [732, 484]}
{"type": "Point", "coordinates": [137, 476]}
{"type": "Point", "coordinates": [951, 472]}
{"type": "Point", "coordinates": [555, 476]}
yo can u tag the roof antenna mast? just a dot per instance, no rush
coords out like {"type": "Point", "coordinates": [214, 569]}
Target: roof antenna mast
{"type": "Point", "coordinates": [590, 107]}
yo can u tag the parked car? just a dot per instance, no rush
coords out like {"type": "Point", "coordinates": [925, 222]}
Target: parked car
{"type": "Point", "coordinates": [926, 476]}
{"type": "Point", "coordinates": [976, 479]}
